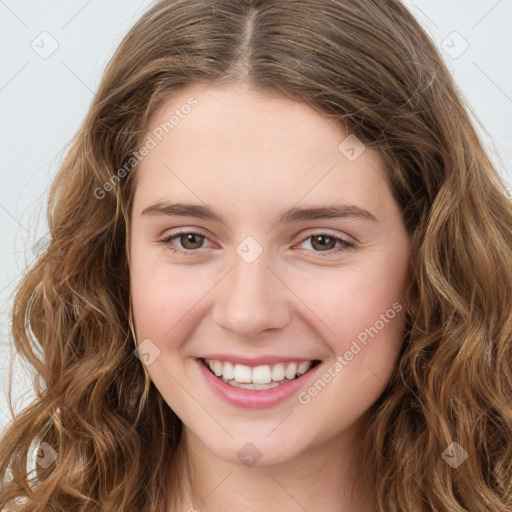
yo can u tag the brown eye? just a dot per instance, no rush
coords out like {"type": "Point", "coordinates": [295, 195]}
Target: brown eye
{"type": "Point", "coordinates": [191, 240]}
{"type": "Point", "coordinates": [326, 243]}
{"type": "Point", "coordinates": [186, 243]}
{"type": "Point", "coordinates": [323, 242]}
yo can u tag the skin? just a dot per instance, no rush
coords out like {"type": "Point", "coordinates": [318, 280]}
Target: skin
{"type": "Point", "coordinates": [249, 155]}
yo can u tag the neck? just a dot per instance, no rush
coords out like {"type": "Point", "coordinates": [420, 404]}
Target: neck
{"type": "Point", "coordinates": [324, 477]}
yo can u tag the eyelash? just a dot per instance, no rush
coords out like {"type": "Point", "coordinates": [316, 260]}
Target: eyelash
{"type": "Point", "coordinates": [167, 241]}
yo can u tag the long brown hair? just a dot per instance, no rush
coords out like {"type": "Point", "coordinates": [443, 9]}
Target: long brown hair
{"type": "Point", "coordinates": [368, 65]}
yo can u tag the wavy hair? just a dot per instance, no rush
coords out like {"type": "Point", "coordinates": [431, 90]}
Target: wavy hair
{"type": "Point", "coordinates": [368, 65]}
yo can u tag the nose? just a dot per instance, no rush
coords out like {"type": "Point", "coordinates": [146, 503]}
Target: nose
{"type": "Point", "coordinates": [251, 300]}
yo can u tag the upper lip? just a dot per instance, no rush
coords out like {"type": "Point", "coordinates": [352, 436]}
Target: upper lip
{"type": "Point", "coordinates": [256, 361]}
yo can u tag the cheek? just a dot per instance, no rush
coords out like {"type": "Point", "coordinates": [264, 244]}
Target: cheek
{"type": "Point", "coordinates": [352, 298]}
{"type": "Point", "coordinates": [360, 310]}
{"type": "Point", "coordinates": [165, 299]}
{"type": "Point", "coordinates": [364, 313]}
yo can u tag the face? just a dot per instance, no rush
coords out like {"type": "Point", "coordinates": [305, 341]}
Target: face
{"type": "Point", "coordinates": [261, 237]}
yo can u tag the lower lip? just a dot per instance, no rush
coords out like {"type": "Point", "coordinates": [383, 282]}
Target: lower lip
{"type": "Point", "coordinates": [252, 398]}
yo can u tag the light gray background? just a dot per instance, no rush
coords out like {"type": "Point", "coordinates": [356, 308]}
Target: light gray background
{"type": "Point", "coordinates": [43, 99]}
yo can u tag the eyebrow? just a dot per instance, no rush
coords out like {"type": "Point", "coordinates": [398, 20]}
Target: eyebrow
{"type": "Point", "coordinates": [293, 214]}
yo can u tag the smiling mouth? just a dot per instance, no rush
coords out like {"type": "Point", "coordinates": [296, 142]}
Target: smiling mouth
{"type": "Point", "coordinates": [258, 377]}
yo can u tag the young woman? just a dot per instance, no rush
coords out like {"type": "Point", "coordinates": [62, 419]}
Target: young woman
{"type": "Point", "coordinates": [279, 277]}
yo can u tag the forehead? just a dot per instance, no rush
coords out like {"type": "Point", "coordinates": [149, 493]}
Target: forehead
{"type": "Point", "coordinates": [255, 149]}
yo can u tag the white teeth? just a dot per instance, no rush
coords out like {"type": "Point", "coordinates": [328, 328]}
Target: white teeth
{"type": "Point", "coordinates": [291, 371]}
{"type": "Point", "coordinates": [303, 368]}
{"type": "Point", "coordinates": [228, 370]}
{"type": "Point", "coordinates": [261, 377]}
{"type": "Point", "coordinates": [278, 372]}
{"type": "Point", "coordinates": [242, 373]}
{"type": "Point", "coordinates": [217, 367]}
{"type": "Point", "coordinates": [259, 387]}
